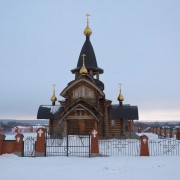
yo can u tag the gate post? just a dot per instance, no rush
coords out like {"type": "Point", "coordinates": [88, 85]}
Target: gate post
{"type": "Point", "coordinates": [40, 146]}
{"type": "Point", "coordinates": [177, 133]}
{"type": "Point", "coordinates": [1, 130]}
{"type": "Point", "coordinates": [94, 143]}
{"type": "Point", "coordinates": [2, 138]}
{"type": "Point", "coordinates": [171, 133]}
{"type": "Point", "coordinates": [144, 148]}
{"type": "Point", "coordinates": [18, 146]}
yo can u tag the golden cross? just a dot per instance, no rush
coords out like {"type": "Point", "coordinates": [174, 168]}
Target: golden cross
{"type": "Point", "coordinates": [54, 87]}
{"type": "Point", "coordinates": [120, 85]}
{"type": "Point", "coordinates": [83, 57]}
{"type": "Point", "coordinates": [87, 15]}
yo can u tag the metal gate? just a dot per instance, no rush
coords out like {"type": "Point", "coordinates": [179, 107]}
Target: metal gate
{"type": "Point", "coordinates": [70, 145]}
{"type": "Point", "coordinates": [119, 147]}
{"type": "Point", "coordinates": [164, 147]}
{"type": "Point", "coordinates": [29, 147]}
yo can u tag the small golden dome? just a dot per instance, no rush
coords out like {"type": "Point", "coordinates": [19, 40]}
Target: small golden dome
{"type": "Point", "coordinates": [87, 31]}
{"type": "Point", "coordinates": [53, 98]}
{"type": "Point", "coordinates": [120, 97]}
{"type": "Point", "coordinates": [83, 69]}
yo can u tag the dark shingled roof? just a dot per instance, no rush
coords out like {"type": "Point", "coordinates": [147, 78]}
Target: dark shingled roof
{"type": "Point", "coordinates": [88, 50]}
{"type": "Point", "coordinates": [48, 111]}
{"type": "Point", "coordinates": [126, 112]}
{"type": "Point", "coordinates": [90, 59]}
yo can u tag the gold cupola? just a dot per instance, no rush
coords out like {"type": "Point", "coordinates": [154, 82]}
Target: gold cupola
{"type": "Point", "coordinates": [53, 98]}
{"type": "Point", "coordinates": [120, 97]}
{"type": "Point", "coordinates": [87, 31]}
{"type": "Point", "coordinates": [83, 69]}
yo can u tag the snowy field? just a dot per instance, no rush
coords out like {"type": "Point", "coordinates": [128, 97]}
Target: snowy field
{"type": "Point", "coordinates": [72, 168]}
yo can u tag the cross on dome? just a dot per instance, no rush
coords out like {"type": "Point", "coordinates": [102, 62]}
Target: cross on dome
{"type": "Point", "coordinates": [87, 15]}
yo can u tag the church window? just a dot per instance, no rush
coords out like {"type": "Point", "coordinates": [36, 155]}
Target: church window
{"type": "Point", "coordinates": [76, 94]}
{"type": "Point", "coordinates": [113, 122]}
{"type": "Point", "coordinates": [83, 91]}
{"type": "Point", "coordinates": [89, 93]}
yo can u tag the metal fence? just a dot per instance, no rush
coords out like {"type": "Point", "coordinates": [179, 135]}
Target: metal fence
{"type": "Point", "coordinates": [119, 147]}
{"type": "Point", "coordinates": [164, 147]}
{"type": "Point", "coordinates": [70, 145]}
{"type": "Point", "coordinates": [29, 147]}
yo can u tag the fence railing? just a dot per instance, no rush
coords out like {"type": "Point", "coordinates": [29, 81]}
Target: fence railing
{"type": "Point", "coordinates": [164, 147]}
{"type": "Point", "coordinates": [70, 145]}
{"type": "Point", "coordinates": [119, 147]}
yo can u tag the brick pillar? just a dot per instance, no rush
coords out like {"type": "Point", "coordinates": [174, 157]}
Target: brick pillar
{"type": "Point", "coordinates": [1, 130]}
{"type": "Point", "coordinates": [16, 130]}
{"type": "Point", "coordinates": [160, 131]}
{"type": "Point", "coordinates": [18, 147]}
{"type": "Point", "coordinates": [94, 143]}
{"type": "Point", "coordinates": [178, 134]}
{"type": "Point", "coordinates": [150, 129]}
{"type": "Point", "coordinates": [156, 130]}
{"type": "Point", "coordinates": [40, 147]}
{"type": "Point", "coordinates": [171, 133]}
{"type": "Point", "coordinates": [144, 149]}
{"type": "Point", "coordinates": [165, 131]}
{"type": "Point", "coordinates": [2, 138]}
{"type": "Point", "coordinates": [139, 130]}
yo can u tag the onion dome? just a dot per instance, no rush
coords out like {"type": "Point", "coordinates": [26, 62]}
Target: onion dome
{"type": "Point", "coordinates": [120, 97]}
{"type": "Point", "coordinates": [87, 31]}
{"type": "Point", "coordinates": [53, 98]}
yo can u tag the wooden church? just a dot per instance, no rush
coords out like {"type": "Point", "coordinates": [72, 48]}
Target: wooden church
{"type": "Point", "coordinates": [84, 106]}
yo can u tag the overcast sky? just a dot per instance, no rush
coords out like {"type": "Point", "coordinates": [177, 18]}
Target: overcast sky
{"type": "Point", "coordinates": [137, 43]}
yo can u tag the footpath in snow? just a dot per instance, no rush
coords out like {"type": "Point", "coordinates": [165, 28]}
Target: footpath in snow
{"type": "Point", "coordinates": [73, 168]}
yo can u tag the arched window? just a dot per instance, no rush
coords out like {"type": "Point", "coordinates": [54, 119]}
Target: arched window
{"type": "Point", "coordinates": [83, 91]}
{"type": "Point", "coordinates": [76, 94]}
{"type": "Point", "coordinates": [89, 94]}
{"type": "Point", "coordinates": [113, 122]}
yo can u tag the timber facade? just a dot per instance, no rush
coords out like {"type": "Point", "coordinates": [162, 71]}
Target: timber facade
{"type": "Point", "coordinates": [84, 106]}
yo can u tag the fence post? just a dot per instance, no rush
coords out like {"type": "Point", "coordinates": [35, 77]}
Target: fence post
{"type": "Point", "coordinates": [139, 130]}
{"type": "Point", "coordinates": [177, 134]}
{"type": "Point", "coordinates": [150, 129]}
{"type": "Point", "coordinates": [18, 147]}
{"type": "Point", "coordinates": [1, 130]}
{"type": "Point", "coordinates": [94, 143]}
{"type": "Point", "coordinates": [40, 147]}
{"type": "Point", "coordinates": [2, 138]}
{"type": "Point", "coordinates": [144, 148]}
{"type": "Point", "coordinates": [67, 145]}
{"type": "Point", "coordinates": [171, 133]}
{"type": "Point", "coordinates": [160, 131]}
{"type": "Point", "coordinates": [165, 131]}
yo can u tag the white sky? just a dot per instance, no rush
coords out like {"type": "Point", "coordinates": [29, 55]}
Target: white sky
{"type": "Point", "coordinates": [136, 42]}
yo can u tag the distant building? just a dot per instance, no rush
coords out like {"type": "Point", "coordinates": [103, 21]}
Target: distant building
{"type": "Point", "coordinates": [27, 129]}
{"type": "Point", "coordinates": [85, 106]}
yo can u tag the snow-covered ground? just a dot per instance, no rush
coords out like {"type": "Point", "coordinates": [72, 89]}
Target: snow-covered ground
{"type": "Point", "coordinates": [73, 168]}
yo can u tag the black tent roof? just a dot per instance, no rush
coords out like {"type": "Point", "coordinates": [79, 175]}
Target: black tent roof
{"type": "Point", "coordinates": [90, 59]}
